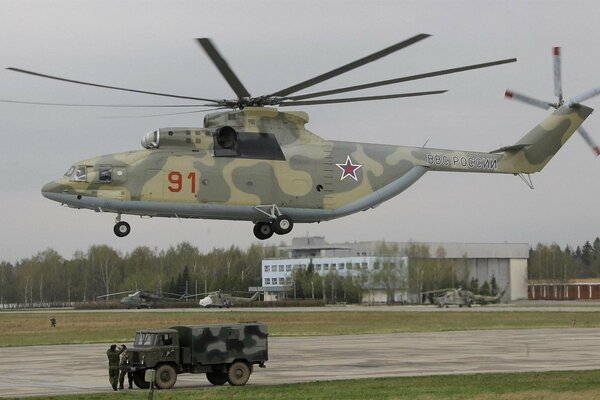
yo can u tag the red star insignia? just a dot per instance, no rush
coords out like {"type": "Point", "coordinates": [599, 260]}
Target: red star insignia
{"type": "Point", "coordinates": [349, 169]}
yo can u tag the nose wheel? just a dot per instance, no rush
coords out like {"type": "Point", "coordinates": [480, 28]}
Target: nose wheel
{"type": "Point", "coordinates": [122, 229]}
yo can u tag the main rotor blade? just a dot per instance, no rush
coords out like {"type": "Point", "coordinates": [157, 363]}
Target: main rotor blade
{"type": "Point", "coordinates": [23, 71]}
{"type": "Point", "coordinates": [350, 66]}
{"type": "Point", "coordinates": [354, 99]}
{"type": "Point", "coordinates": [223, 67]}
{"type": "Point", "coordinates": [403, 79]}
{"type": "Point", "coordinates": [557, 74]}
{"type": "Point", "coordinates": [588, 139]}
{"type": "Point", "coordinates": [163, 114]}
{"type": "Point", "coordinates": [528, 100]}
{"type": "Point", "coordinates": [39, 103]}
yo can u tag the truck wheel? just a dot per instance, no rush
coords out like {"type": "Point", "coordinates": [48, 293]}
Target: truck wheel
{"type": "Point", "coordinates": [165, 377]}
{"type": "Point", "coordinates": [238, 373]}
{"type": "Point", "coordinates": [216, 378]}
{"type": "Point", "coordinates": [139, 380]}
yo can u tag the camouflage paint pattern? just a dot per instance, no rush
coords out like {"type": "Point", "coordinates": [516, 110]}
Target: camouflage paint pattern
{"type": "Point", "coordinates": [206, 345]}
{"type": "Point", "coordinates": [317, 180]}
{"type": "Point", "coordinates": [211, 344]}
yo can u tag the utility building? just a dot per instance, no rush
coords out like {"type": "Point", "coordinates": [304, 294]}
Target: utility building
{"type": "Point", "coordinates": [506, 263]}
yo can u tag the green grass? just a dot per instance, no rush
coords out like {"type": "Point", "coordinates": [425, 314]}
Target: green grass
{"type": "Point", "coordinates": [33, 328]}
{"type": "Point", "coordinates": [520, 386]}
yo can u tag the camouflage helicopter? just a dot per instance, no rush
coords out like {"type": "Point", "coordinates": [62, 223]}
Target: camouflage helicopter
{"type": "Point", "coordinates": [461, 297]}
{"type": "Point", "coordinates": [259, 164]}
{"type": "Point", "coordinates": [219, 299]}
{"type": "Point", "coordinates": [143, 299]}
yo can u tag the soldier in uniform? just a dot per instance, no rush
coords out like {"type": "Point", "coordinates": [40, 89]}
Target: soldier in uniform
{"type": "Point", "coordinates": [113, 365]}
{"type": "Point", "coordinates": [124, 367]}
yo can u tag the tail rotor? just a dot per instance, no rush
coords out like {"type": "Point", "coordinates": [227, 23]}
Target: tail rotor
{"type": "Point", "coordinates": [558, 92]}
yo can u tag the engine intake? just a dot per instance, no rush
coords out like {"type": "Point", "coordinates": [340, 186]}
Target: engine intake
{"type": "Point", "coordinates": [226, 137]}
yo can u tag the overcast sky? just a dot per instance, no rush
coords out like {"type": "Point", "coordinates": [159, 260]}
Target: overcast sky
{"type": "Point", "coordinates": [271, 45]}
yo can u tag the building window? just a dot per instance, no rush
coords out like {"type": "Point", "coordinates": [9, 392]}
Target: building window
{"type": "Point", "coordinates": [318, 267]}
{"type": "Point", "coordinates": [341, 266]}
{"type": "Point", "coordinates": [267, 268]}
{"type": "Point", "coordinates": [281, 268]}
{"type": "Point", "coordinates": [364, 265]}
{"type": "Point", "coordinates": [281, 281]}
{"type": "Point", "coordinates": [357, 266]}
{"type": "Point", "coordinates": [288, 268]}
{"type": "Point", "coordinates": [267, 281]}
{"type": "Point", "coordinates": [325, 267]}
{"type": "Point", "coordinates": [333, 267]}
{"type": "Point", "coordinates": [376, 265]}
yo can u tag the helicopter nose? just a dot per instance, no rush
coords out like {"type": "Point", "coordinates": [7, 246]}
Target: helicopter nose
{"type": "Point", "coordinates": [50, 188]}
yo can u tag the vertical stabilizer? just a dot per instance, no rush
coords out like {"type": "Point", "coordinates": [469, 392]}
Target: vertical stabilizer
{"type": "Point", "coordinates": [536, 148]}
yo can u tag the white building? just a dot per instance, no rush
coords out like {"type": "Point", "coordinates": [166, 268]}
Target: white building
{"type": "Point", "coordinates": [505, 262]}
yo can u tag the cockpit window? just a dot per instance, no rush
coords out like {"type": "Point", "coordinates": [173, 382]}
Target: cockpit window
{"type": "Point", "coordinates": [70, 172]}
{"type": "Point", "coordinates": [80, 174]}
{"type": "Point", "coordinates": [105, 173]}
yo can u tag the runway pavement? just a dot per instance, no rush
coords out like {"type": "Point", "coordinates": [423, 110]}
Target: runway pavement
{"type": "Point", "coordinates": [62, 369]}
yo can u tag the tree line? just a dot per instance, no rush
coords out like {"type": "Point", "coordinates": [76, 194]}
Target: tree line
{"type": "Point", "coordinates": [551, 263]}
{"type": "Point", "coordinates": [48, 278]}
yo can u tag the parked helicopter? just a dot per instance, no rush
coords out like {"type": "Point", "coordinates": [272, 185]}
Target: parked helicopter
{"type": "Point", "coordinates": [461, 297]}
{"type": "Point", "coordinates": [143, 299]}
{"type": "Point", "coordinates": [219, 299]}
{"type": "Point", "coordinates": [258, 164]}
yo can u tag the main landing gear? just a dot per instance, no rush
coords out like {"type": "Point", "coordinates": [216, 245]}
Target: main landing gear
{"type": "Point", "coordinates": [277, 223]}
{"type": "Point", "coordinates": [121, 228]}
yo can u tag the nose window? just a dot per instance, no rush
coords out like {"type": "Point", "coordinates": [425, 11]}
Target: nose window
{"type": "Point", "coordinates": [70, 172]}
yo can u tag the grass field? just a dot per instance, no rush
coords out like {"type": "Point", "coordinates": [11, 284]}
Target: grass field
{"type": "Point", "coordinates": [576, 385]}
{"type": "Point", "coordinates": [33, 328]}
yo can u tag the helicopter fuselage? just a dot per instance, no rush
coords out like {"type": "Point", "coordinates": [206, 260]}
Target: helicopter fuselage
{"type": "Point", "coordinates": [256, 164]}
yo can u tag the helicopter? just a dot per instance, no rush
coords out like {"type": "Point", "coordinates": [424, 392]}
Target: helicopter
{"type": "Point", "coordinates": [143, 299]}
{"type": "Point", "coordinates": [461, 297]}
{"type": "Point", "coordinates": [256, 163]}
{"type": "Point", "coordinates": [220, 299]}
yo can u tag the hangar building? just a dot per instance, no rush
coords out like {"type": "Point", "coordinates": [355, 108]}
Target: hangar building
{"type": "Point", "coordinates": [506, 262]}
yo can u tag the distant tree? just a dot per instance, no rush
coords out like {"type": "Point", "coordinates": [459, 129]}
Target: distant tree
{"type": "Point", "coordinates": [105, 260]}
{"type": "Point", "coordinates": [493, 286]}
{"type": "Point", "coordinates": [474, 285]}
{"type": "Point", "coordinates": [485, 289]}
{"type": "Point", "coordinates": [418, 263]}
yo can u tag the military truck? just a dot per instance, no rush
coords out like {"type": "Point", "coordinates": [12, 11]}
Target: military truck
{"type": "Point", "coordinates": [224, 352]}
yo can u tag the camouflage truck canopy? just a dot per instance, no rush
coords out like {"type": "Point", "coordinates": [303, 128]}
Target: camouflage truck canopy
{"type": "Point", "coordinates": [210, 344]}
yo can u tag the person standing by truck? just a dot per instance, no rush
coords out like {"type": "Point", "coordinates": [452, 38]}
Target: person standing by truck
{"type": "Point", "coordinates": [124, 367]}
{"type": "Point", "coordinates": [113, 365]}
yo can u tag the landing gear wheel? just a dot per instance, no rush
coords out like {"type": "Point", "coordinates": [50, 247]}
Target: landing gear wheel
{"type": "Point", "coordinates": [122, 229]}
{"type": "Point", "coordinates": [216, 378]}
{"type": "Point", "coordinates": [238, 374]}
{"type": "Point", "coordinates": [263, 230]}
{"type": "Point", "coordinates": [139, 380]}
{"type": "Point", "coordinates": [283, 225]}
{"type": "Point", "coordinates": [165, 377]}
